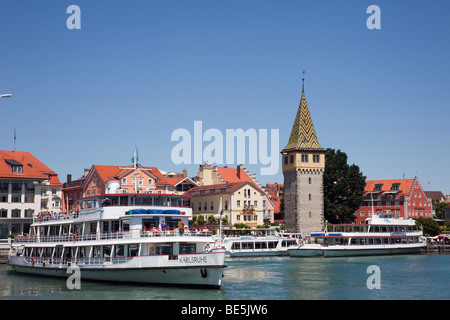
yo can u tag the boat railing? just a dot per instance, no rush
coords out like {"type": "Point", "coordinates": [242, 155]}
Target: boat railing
{"type": "Point", "coordinates": [113, 235]}
{"type": "Point", "coordinates": [90, 261]}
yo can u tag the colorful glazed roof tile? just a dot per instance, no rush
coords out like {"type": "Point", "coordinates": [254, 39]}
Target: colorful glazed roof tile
{"type": "Point", "coordinates": [303, 135]}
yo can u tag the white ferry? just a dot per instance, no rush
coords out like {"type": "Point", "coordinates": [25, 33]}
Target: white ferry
{"type": "Point", "coordinates": [258, 242]}
{"type": "Point", "coordinates": [382, 235]}
{"type": "Point", "coordinates": [123, 237]}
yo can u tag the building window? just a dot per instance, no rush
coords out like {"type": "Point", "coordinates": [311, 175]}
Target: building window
{"type": "Point", "coordinates": [309, 179]}
{"type": "Point", "coordinates": [292, 158]}
{"type": "Point", "coordinates": [141, 181]}
{"type": "Point", "coordinates": [212, 205]}
{"type": "Point", "coordinates": [124, 180]}
{"type": "Point", "coordinates": [309, 196]}
{"type": "Point", "coordinates": [362, 214]}
{"type": "Point", "coordinates": [149, 182]}
{"type": "Point", "coordinates": [285, 159]}
{"type": "Point", "coordinates": [304, 158]}
{"type": "Point", "coordinates": [316, 158]}
{"type": "Point", "coordinates": [238, 203]}
{"type": "Point", "coordinates": [255, 203]}
{"type": "Point", "coordinates": [226, 204]}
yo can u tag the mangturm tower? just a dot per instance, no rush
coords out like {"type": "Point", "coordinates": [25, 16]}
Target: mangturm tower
{"type": "Point", "coordinates": [303, 165]}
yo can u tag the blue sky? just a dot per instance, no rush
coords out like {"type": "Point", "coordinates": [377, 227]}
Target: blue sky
{"type": "Point", "coordinates": [138, 70]}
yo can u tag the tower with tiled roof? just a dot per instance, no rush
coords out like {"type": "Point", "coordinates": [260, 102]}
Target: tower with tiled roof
{"type": "Point", "coordinates": [303, 161]}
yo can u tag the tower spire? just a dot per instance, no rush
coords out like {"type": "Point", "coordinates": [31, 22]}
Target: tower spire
{"type": "Point", "coordinates": [303, 135]}
{"type": "Point", "coordinates": [303, 82]}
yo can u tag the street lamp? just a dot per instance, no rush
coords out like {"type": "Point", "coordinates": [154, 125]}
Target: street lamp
{"type": "Point", "coordinates": [5, 95]}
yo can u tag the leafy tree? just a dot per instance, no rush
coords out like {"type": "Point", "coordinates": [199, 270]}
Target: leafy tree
{"type": "Point", "coordinates": [343, 187]}
{"type": "Point", "coordinates": [430, 226]}
{"type": "Point", "coordinates": [440, 209]}
{"type": "Point", "coordinates": [211, 219]}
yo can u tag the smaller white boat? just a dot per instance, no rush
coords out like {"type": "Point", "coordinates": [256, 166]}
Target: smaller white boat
{"type": "Point", "coordinates": [382, 235]}
{"type": "Point", "coordinates": [258, 242]}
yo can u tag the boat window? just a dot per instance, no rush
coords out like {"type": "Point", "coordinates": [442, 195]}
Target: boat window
{"type": "Point", "coordinates": [272, 244]}
{"type": "Point", "coordinates": [96, 251]}
{"type": "Point", "coordinates": [125, 224]}
{"type": "Point", "coordinates": [187, 248]}
{"type": "Point", "coordinates": [133, 250]}
{"type": "Point", "coordinates": [107, 251]}
{"type": "Point", "coordinates": [120, 250]}
{"type": "Point", "coordinates": [164, 249]}
{"type": "Point", "coordinates": [150, 223]}
{"type": "Point", "coordinates": [236, 246]}
{"type": "Point", "coordinates": [247, 245]}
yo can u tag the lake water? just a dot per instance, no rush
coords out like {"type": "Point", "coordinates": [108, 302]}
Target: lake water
{"type": "Point", "coordinates": [405, 277]}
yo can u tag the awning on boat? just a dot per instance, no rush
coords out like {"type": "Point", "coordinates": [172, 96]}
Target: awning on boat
{"type": "Point", "coordinates": [151, 211]}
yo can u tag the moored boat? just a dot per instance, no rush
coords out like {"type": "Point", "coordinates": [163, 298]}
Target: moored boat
{"type": "Point", "coordinates": [123, 237]}
{"type": "Point", "coordinates": [382, 235]}
{"type": "Point", "coordinates": [258, 242]}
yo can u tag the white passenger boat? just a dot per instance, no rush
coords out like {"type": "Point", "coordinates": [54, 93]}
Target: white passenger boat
{"type": "Point", "coordinates": [258, 242]}
{"type": "Point", "coordinates": [123, 237]}
{"type": "Point", "coordinates": [382, 235]}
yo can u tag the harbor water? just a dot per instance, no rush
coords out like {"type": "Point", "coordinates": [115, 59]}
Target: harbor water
{"type": "Point", "coordinates": [403, 277]}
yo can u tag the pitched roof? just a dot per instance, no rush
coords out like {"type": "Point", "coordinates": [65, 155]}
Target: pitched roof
{"type": "Point", "coordinates": [32, 168]}
{"type": "Point", "coordinates": [108, 172]}
{"type": "Point", "coordinates": [303, 135]}
{"type": "Point", "coordinates": [404, 185]}
{"type": "Point", "coordinates": [175, 181]}
{"type": "Point", "coordinates": [233, 174]}
{"type": "Point", "coordinates": [214, 189]}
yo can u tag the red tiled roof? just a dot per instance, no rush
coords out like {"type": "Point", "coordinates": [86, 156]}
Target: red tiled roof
{"type": "Point", "coordinates": [32, 168]}
{"type": "Point", "coordinates": [231, 174]}
{"type": "Point", "coordinates": [107, 172]}
{"type": "Point", "coordinates": [405, 185]}
{"type": "Point", "coordinates": [275, 200]}
{"type": "Point", "coordinates": [218, 188]}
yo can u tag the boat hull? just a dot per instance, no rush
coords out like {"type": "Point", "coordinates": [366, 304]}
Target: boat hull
{"type": "Point", "coordinates": [349, 251]}
{"type": "Point", "coordinates": [388, 250]}
{"type": "Point", "coordinates": [306, 251]}
{"type": "Point", "coordinates": [257, 253]}
{"type": "Point", "coordinates": [146, 270]}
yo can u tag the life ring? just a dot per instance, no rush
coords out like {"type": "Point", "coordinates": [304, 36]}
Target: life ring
{"type": "Point", "coordinates": [75, 237]}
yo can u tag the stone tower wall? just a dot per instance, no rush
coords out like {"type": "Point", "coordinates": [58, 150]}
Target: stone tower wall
{"type": "Point", "coordinates": [303, 201]}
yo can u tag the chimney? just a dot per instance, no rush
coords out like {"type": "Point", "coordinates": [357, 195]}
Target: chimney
{"type": "Point", "coordinates": [69, 177]}
{"type": "Point", "coordinates": [86, 171]}
{"type": "Point", "coordinates": [184, 173]}
{"type": "Point", "coordinates": [238, 173]}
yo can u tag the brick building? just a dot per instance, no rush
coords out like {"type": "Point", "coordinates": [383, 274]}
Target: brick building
{"type": "Point", "coordinates": [404, 198]}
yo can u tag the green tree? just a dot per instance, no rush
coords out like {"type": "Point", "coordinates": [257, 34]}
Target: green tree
{"type": "Point", "coordinates": [429, 226]}
{"type": "Point", "coordinates": [440, 209]}
{"type": "Point", "coordinates": [343, 187]}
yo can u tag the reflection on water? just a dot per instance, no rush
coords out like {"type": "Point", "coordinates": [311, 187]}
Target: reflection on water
{"type": "Point", "coordinates": [271, 278]}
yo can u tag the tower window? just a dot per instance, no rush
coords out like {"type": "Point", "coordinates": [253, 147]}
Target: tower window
{"type": "Point", "coordinates": [304, 158]}
{"type": "Point", "coordinates": [316, 158]}
{"type": "Point", "coordinates": [286, 160]}
{"type": "Point", "coordinates": [309, 196]}
{"type": "Point", "coordinates": [309, 180]}
{"type": "Point", "coordinates": [292, 158]}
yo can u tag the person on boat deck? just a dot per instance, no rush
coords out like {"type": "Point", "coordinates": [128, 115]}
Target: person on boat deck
{"type": "Point", "coordinates": [181, 225]}
{"type": "Point", "coordinates": [163, 226]}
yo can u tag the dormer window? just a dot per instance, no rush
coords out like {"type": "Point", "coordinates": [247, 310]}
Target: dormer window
{"type": "Point", "coordinates": [378, 186]}
{"type": "Point", "coordinates": [396, 186]}
{"type": "Point", "coordinates": [15, 166]}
